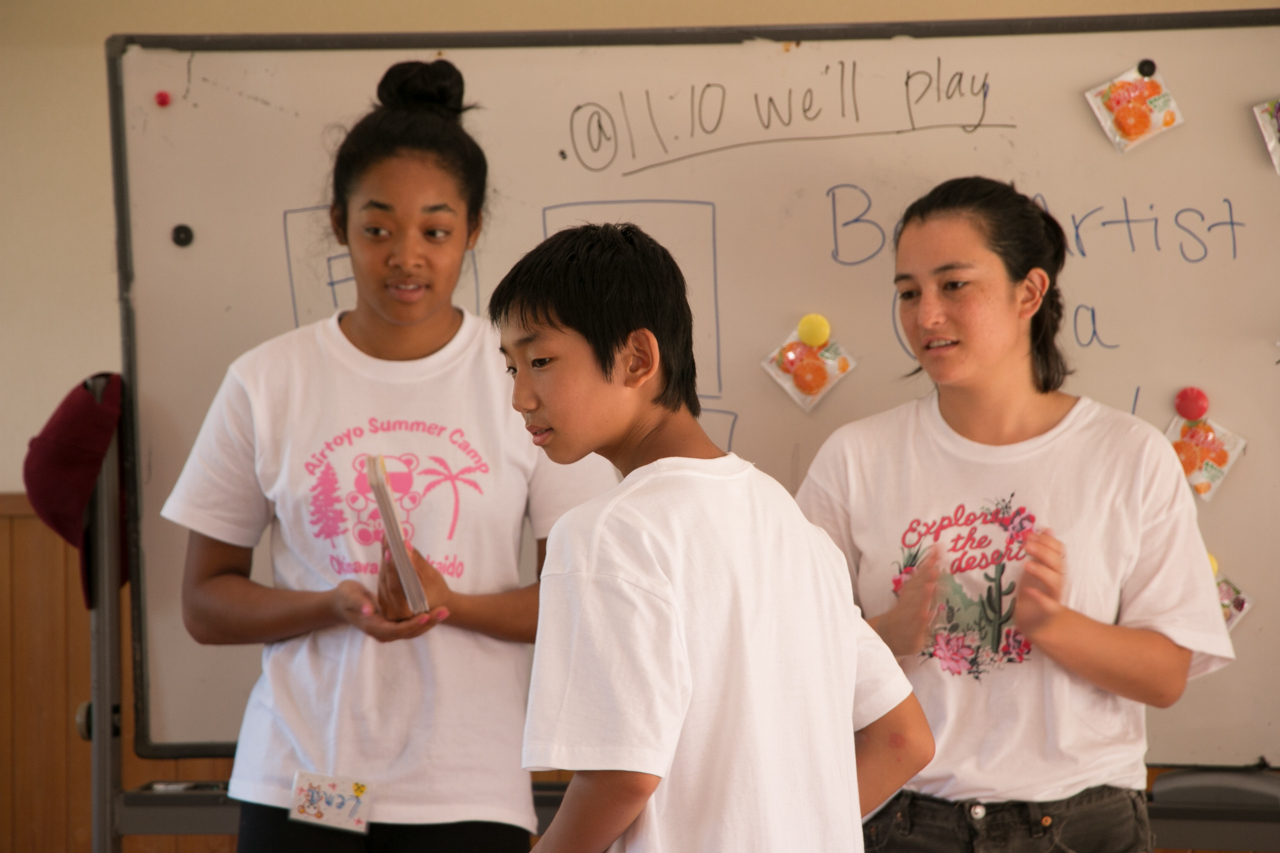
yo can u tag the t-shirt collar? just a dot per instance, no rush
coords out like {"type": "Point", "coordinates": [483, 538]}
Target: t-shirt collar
{"type": "Point", "coordinates": [940, 431]}
{"type": "Point", "coordinates": [440, 361]}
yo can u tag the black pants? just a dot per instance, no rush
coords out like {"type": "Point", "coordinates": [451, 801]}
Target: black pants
{"type": "Point", "coordinates": [267, 829]}
{"type": "Point", "coordinates": [1097, 820]}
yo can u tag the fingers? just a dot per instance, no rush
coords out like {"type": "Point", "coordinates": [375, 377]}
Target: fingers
{"type": "Point", "coordinates": [386, 630]}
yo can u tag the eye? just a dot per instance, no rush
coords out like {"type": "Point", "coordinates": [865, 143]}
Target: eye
{"type": "Point", "coordinates": [375, 231]}
{"type": "Point", "coordinates": [511, 371]}
{"type": "Point", "coordinates": [437, 233]}
{"type": "Point", "coordinates": [537, 363]}
{"type": "Point", "coordinates": [953, 285]}
{"type": "Point", "coordinates": [906, 294]}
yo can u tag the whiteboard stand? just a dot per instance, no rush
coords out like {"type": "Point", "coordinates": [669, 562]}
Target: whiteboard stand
{"type": "Point", "coordinates": [201, 809]}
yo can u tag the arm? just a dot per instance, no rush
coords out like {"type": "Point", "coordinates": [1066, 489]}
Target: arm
{"type": "Point", "coordinates": [510, 615]}
{"type": "Point", "coordinates": [220, 604]}
{"type": "Point", "coordinates": [1135, 663]}
{"type": "Point", "coordinates": [890, 751]}
{"type": "Point", "coordinates": [905, 628]}
{"type": "Point", "coordinates": [598, 807]}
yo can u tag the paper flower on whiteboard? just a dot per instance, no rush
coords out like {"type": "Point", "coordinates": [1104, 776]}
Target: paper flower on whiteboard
{"type": "Point", "coordinates": [1206, 449]}
{"type": "Point", "coordinates": [1235, 602]}
{"type": "Point", "coordinates": [809, 363]}
{"type": "Point", "coordinates": [1268, 115]}
{"type": "Point", "coordinates": [1135, 106]}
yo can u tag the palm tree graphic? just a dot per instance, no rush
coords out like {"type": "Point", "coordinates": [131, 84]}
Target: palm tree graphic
{"type": "Point", "coordinates": [445, 474]}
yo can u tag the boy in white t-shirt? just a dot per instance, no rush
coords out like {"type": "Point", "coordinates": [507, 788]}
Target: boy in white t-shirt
{"type": "Point", "coordinates": [699, 660]}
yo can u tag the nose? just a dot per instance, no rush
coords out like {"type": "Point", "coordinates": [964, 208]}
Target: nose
{"type": "Point", "coordinates": [406, 251]}
{"type": "Point", "coordinates": [523, 400]}
{"type": "Point", "coordinates": [929, 309]}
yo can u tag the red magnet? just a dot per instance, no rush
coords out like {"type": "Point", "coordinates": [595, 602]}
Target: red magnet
{"type": "Point", "coordinates": [162, 99]}
{"type": "Point", "coordinates": [1192, 403]}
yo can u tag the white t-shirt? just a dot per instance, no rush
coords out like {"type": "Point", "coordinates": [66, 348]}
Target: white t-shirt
{"type": "Point", "coordinates": [695, 626]}
{"type": "Point", "coordinates": [1008, 723]}
{"type": "Point", "coordinates": [433, 723]}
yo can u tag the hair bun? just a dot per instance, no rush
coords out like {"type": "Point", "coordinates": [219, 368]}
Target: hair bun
{"type": "Point", "coordinates": [422, 85]}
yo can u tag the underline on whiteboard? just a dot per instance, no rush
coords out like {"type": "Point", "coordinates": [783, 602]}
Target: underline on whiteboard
{"type": "Point", "coordinates": [967, 128]}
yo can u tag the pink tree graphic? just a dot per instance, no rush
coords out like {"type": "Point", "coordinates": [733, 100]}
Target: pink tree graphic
{"type": "Point", "coordinates": [445, 474]}
{"type": "Point", "coordinates": [326, 505]}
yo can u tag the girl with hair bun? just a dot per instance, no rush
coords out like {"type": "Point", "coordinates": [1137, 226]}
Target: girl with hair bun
{"type": "Point", "coordinates": [1031, 557]}
{"type": "Point", "coordinates": [428, 710]}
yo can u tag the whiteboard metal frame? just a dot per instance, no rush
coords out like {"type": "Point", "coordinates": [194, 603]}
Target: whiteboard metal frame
{"type": "Point", "coordinates": [117, 45]}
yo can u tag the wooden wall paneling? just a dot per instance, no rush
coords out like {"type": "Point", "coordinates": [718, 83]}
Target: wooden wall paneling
{"type": "Point", "coordinates": [40, 687]}
{"type": "Point", "coordinates": [8, 776]}
{"type": "Point", "coordinates": [79, 689]}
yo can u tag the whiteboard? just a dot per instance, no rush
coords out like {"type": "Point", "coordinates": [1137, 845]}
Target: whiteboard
{"type": "Point", "coordinates": [776, 172]}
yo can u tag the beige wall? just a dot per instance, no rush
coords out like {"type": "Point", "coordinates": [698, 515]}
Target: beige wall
{"type": "Point", "coordinates": [58, 313]}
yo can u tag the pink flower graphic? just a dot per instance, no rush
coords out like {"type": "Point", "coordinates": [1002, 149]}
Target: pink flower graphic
{"type": "Point", "coordinates": [1016, 647]}
{"type": "Point", "coordinates": [952, 653]}
{"type": "Point", "coordinates": [901, 578]}
{"type": "Point", "coordinates": [445, 474]}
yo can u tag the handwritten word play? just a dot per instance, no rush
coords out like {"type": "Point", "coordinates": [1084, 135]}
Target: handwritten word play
{"type": "Point", "coordinates": [645, 128]}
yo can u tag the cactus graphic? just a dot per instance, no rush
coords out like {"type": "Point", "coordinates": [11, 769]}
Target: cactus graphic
{"type": "Point", "coordinates": [993, 613]}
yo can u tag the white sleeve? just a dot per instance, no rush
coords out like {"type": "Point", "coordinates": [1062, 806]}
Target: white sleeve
{"type": "Point", "coordinates": [555, 489]}
{"type": "Point", "coordinates": [824, 498]}
{"type": "Point", "coordinates": [218, 493]}
{"type": "Point", "coordinates": [1171, 588]}
{"type": "Point", "coordinates": [611, 681]}
{"type": "Point", "coordinates": [881, 684]}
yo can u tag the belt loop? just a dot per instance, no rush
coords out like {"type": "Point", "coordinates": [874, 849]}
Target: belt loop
{"type": "Point", "coordinates": [902, 812]}
{"type": "Point", "coordinates": [1035, 820]}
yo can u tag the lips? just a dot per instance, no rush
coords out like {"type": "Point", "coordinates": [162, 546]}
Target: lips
{"type": "Point", "coordinates": [406, 290]}
{"type": "Point", "coordinates": [935, 344]}
{"type": "Point", "coordinates": [541, 435]}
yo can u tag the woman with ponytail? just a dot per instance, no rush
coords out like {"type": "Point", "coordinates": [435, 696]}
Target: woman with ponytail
{"type": "Point", "coordinates": [426, 711]}
{"type": "Point", "coordinates": [1031, 557]}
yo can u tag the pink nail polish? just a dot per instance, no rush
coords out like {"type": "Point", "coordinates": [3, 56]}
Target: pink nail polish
{"type": "Point", "coordinates": [366, 610]}
{"type": "Point", "coordinates": [444, 614]}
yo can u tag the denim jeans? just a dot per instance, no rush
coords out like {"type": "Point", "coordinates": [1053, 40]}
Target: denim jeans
{"type": "Point", "coordinates": [1097, 820]}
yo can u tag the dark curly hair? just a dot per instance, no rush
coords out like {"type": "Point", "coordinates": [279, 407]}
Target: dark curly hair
{"type": "Point", "coordinates": [419, 111]}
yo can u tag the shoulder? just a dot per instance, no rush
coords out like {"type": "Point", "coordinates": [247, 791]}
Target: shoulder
{"type": "Point", "coordinates": [293, 347]}
{"type": "Point", "coordinates": [866, 443]}
{"type": "Point", "coordinates": [1119, 435]}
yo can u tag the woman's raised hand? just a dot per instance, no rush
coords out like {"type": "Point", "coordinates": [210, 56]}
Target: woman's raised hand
{"type": "Point", "coordinates": [1039, 596]}
{"type": "Point", "coordinates": [905, 628]}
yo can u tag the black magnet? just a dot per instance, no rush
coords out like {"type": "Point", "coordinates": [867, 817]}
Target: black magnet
{"type": "Point", "coordinates": [1146, 68]}
{"type": "Point", "coordinates": [183, 235]}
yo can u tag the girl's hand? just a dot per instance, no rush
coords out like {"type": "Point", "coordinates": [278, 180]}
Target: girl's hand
{"type": "Point", "coordinates": [354, 604]}
{"type": "Point", "coordinates": [1039, 596]}
{"type": "Point", "coordinates": [391, 600]}
{"type": "Point", "coordinates": [905, 628]}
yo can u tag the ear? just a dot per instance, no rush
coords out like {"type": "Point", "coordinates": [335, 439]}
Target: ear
{"type": "Point", "coordinates": [474, 235]}
{"type": "Point", "coordinates": [1031, 292]}
{"type": "Point", "coordinates": [336, 224]}
{"type": "Point", "coordinates": [639, 361]}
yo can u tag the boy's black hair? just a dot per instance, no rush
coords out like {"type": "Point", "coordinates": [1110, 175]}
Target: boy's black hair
{"type": "Point", "coordinates": [605, 282]}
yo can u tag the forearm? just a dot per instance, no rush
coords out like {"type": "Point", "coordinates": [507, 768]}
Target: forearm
{"type": "Point", "coordinates": [890, 751]}
{"type": "Point", "coordinates": [598, 807]}
{"type": "Point", "coordinates": [229, 608]}
{"type": "Point", "coordinates": [510, 615]}
{"type": "Point", "coordinates": [1135, 663]}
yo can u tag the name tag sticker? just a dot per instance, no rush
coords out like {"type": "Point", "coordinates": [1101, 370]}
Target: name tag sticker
{"type": "Point", "coordinates": [331, 801]}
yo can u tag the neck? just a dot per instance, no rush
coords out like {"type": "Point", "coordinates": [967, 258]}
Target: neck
{"type": "Point", "coordinates": [658, 434]}
{"type": "Point", "coordinates": [390, 342]}
{"type": "Point", "coordinates": [1002, 412]}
